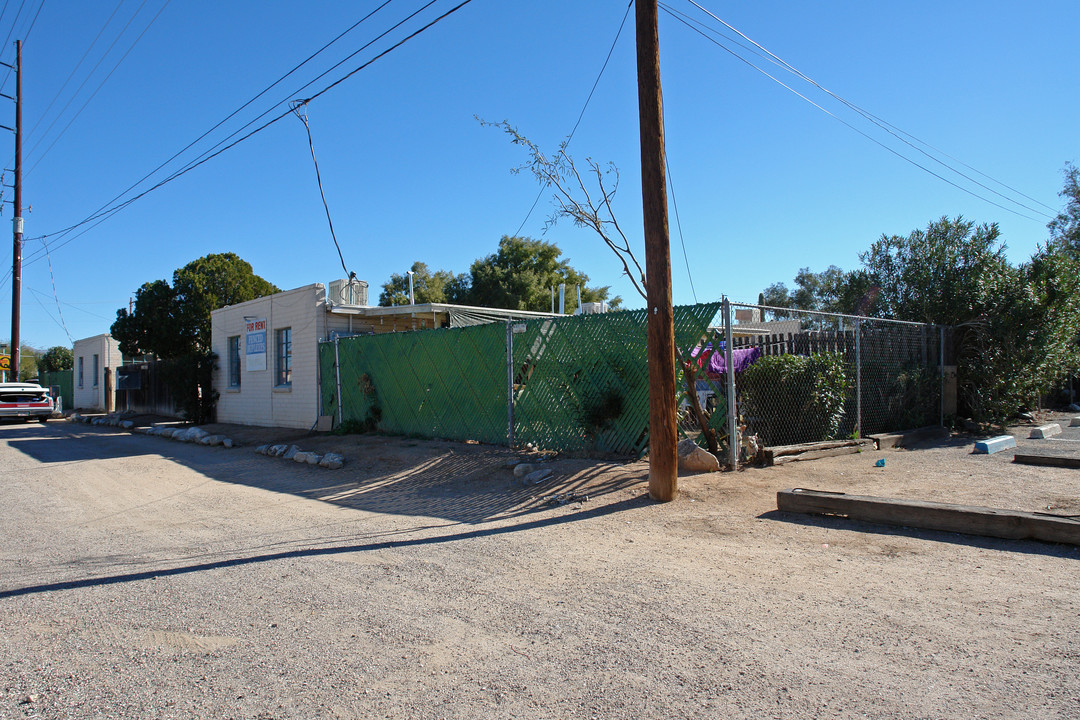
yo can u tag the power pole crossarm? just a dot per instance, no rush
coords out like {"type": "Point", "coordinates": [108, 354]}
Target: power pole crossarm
{"type": "Point", "coordinates": [663, 437]}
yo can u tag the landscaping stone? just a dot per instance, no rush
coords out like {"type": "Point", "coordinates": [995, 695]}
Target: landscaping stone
{"type": "Point", "coordinates": [695, 459]}
{"type": "Point", "coordinates": [227, 442]}
{"type": "Point", "coordinates": [313, 458]}
{"type": "Point", "coordinates": [288, 455]}
{"type": "Point", "coordinates": [333, 461]}
{"type": "Point", "coordinates": [127, 424]}
{"type": "Point", "coordinates": [262, 449]}
{"type": "Point", "coordinates": [537, 476]}
{"type": "Point", "coordinates": [524, 469]}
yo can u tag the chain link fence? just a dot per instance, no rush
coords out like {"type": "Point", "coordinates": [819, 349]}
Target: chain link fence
{"type": "Point", "coordinates": [746, 375]}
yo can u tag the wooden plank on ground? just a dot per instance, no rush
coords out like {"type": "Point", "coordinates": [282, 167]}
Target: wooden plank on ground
{"type": "Point", "coordinates": [967, 519]}
{"type": "Point", "coordinates": [778, 450]}
{"type": "Point", "coordinates": [816, 454]}
{"type": "Point", "coordinates": [1065, 461]}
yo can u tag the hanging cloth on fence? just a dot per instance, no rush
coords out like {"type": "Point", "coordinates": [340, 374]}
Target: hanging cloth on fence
{"type": "Point", "coordinates": [714, 363]}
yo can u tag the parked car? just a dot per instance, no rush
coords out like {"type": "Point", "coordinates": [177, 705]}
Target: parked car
{"type": "Point", "coordinates": [25, 401]}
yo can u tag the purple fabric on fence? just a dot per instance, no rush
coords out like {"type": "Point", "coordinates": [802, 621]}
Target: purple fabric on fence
{"type": "Point", "coordinates": [742, 359]}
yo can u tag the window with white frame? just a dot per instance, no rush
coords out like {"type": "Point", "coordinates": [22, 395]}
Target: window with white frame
{"type": "Point", "coordinates": [234, 361]}
{"type": "Point", "coordinates": [283, 357]}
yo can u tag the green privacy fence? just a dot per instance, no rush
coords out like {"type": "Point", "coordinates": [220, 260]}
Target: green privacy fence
{"type": "Point", "coordinates": [571, 383]}
{"type": "Point", "coordinates": [63, 378]}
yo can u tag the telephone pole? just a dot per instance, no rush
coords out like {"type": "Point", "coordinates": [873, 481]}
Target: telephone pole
{"type": "Point", "coordinates": [16, 255]}
{"type": "Point", "coordinates": [663, 459]}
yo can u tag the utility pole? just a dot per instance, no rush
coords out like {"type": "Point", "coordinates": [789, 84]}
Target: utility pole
{"type": "Point", "coordinates": [663, 459]}
{"type": "Point", "coordinates": [16, 255]}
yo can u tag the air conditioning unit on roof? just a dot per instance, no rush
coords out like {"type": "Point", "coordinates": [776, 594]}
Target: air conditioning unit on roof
{"type": "Point", "coordinates": [348, 293]}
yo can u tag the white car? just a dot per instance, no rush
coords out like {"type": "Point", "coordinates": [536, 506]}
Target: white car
{"type": "Point", "coordinates": [25, 401]}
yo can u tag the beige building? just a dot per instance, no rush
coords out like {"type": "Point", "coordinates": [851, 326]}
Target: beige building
{"type": "Point", "coordinates": [94, 373]}
{"type": "Point", "coordinates": [267, 349]}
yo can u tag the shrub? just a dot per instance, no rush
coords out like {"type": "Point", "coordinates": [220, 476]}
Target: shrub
{"type": "Point", "coordinates": [790, 399]}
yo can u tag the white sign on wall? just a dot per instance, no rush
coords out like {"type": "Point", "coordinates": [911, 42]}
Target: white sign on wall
{"type": "Point", "coordinates": [255, 343]}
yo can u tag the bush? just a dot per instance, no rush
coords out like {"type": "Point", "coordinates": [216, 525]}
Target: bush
{"type": "Point", "coordinates": [790, 399]}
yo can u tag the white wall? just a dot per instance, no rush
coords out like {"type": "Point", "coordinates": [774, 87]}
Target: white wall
{"type": "Point", "coordinates": [257, 401]}
{"type": "Point", "coordinates": [91, 395]}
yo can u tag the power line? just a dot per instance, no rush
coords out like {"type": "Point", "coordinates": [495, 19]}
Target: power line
{"type": "Point", "coordinates": [849, 125]}
{"type": "Point", "coordinates": [887, 127]}
{"type": "Point", "coordinates": [105, 214]}
{"type": "Point", "coordinates": [96, 90]}
{"type": "Point", "coordinates": [75, 70]}
{"type": "Point", "coordinates": [582, 113]}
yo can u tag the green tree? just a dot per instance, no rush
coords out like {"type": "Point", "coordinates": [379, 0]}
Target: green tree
{"type": "Point", "coordinates": [55, 359]}
{"type": "Point", "coordinates": [172, 322]}
{"type": "Point", "coordinates": [1065, 228]}
{"type": "Point", "coordinates": [944, 275]}
{"type": "Point", "coordinates": [442, 286]}
{"type": "Point", "coordinates": [520, 275]}
{"type": "Point", "coordinates": [832, 290]}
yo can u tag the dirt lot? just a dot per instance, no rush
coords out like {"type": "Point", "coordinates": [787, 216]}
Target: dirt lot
{"type": "Point", "coordinates": [146, 578]}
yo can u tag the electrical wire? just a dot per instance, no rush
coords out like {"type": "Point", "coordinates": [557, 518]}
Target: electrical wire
{"type": "Point", "coordinates": [887, 127]}
{"type": "Point", "coordinates": [32, 22]}
{"type": "Point", "coordinates": [849, 125]}
{"type": "Point", "coordinates": [96, 90]}
{"type": "Point", "coordinates": [105, 214]}
{"type": "Point", "coordinates": [56, 296]}
{"type": "Point", "coordinates": [300, 110]}
{"type": "Point", "coordinates": [582, 113]}
{"type": "Point", "coordinates": [74, 70]}
{"type": "Point", "coordinates": [235, 112]}
{"type": "Point", "coordinates": [105, 211]}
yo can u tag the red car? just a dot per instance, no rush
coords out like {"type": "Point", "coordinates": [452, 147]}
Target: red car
{"type": "Point", "coordinates": [25, 401]}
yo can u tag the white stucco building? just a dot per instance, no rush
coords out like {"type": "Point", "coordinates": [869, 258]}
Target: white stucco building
{"type": "Point", "coordinates": [94, 358]}
{"type": "Point", "coordinates": [268, 349]}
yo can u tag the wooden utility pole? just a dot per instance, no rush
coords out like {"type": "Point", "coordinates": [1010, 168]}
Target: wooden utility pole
{"type": "Point", "coordinates": [16, 255]}
{"type": "Point", "coordinates": [663, 460]}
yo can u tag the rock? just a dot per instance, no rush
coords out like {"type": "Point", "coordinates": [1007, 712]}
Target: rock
{"type": "Point", "coordinates": [537, 476]}
{"type": "Point", "coordinates": [511, 462]}
{"type": "Point", "coordinates": [300, 457]}
{"type": "Point", "coordinates": [333, 461]}
{"type": "Point", "coordinates": [227, 442]}
{"type": "Point", "coordinates": [213, 440]}
{"type": "Point", "coordinates": [167, 432]}
{"type": "Point", "coordinates": [277, 450]}
{"type": "Point", "coordinates": [288, 455]}
{"type": "Point", "coordinates": [695, 459]}
{"type": "Point", "coordinates": [127, 424]}
{"type": "Point", "coordinates": [523, 469]}
{"type": "Point", "coordinates": [313, 458]}
{"type": "Point", "coordinates": [262, 449]}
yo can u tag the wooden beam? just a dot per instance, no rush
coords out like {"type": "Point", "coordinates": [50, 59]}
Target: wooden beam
{"type": "Point", "coordinates": [1065, 461]}
{"type": "Point", "coordinates": [966, 519]}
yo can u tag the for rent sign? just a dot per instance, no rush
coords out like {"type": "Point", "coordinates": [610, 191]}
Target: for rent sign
{"type": "Point", "coordinates": [255, 343]}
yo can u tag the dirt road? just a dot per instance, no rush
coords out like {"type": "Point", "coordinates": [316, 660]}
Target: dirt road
{"type": "Point", "coordinates": [142, 578]}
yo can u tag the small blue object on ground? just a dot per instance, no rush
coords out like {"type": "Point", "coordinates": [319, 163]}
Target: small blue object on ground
{"type": "Point", "coordinates": [995, 444]}
{"type": "Point", "coordinates": [880, 463]}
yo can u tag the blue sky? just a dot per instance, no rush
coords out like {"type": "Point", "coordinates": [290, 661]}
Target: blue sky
{"type": "Point", "coordinates": [765, 182]}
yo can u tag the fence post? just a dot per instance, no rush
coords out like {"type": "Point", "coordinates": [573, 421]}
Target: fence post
{"type": "Point", "coordinates": [941, 362]}
{"type": "Point", "coordinates": [510, 382]}
{"type": "Point", "coordinates": [732, 419]}
{"type": "Point", "coordinates": [337, 373]}
{"type": "Point", "coordinates": [858, 377]}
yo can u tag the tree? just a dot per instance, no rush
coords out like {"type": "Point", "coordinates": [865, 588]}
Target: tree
{"type": "Point", "coordinates": [172, 322]}
{"type": "Point", "coordinates": [55, 359]}
{"type": "Point", "coordinates": [1065, 228]}
{"type": "Point", "coordinates": [832, 290]}
{"type": "Point", "coordinates": [441, 286]}
{"type": "Point", "coordinates": [521, 274]}
{"type": "Point", "coordinates": [942, 275]}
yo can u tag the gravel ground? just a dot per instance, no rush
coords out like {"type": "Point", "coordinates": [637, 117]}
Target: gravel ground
{"type": "Point", "coordinates": [140, 578]}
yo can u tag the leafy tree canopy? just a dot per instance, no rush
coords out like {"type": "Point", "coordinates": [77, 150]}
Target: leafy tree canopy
{"type": "Point", "coordinates": [173, 320]}
{"type": "Point", "coordinates": [518, 276]}
{"type": "Point", "coordinates": [55, 359]}
{"type": "Point", "coordinates": [441, 286]}
{"type": "Point", "coordinates": [1065, 228]}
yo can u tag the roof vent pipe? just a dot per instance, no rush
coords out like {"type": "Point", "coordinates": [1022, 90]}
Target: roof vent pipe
{"type": "Point", "coordinates": [562, 298]}
{"type": "Point", "coordinates": [412, 298]}
{"type": "Point", "coordinates": [578, 311]}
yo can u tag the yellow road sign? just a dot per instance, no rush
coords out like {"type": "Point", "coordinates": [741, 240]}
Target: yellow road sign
{"type": "Point", "coordinates": [5, 362]}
